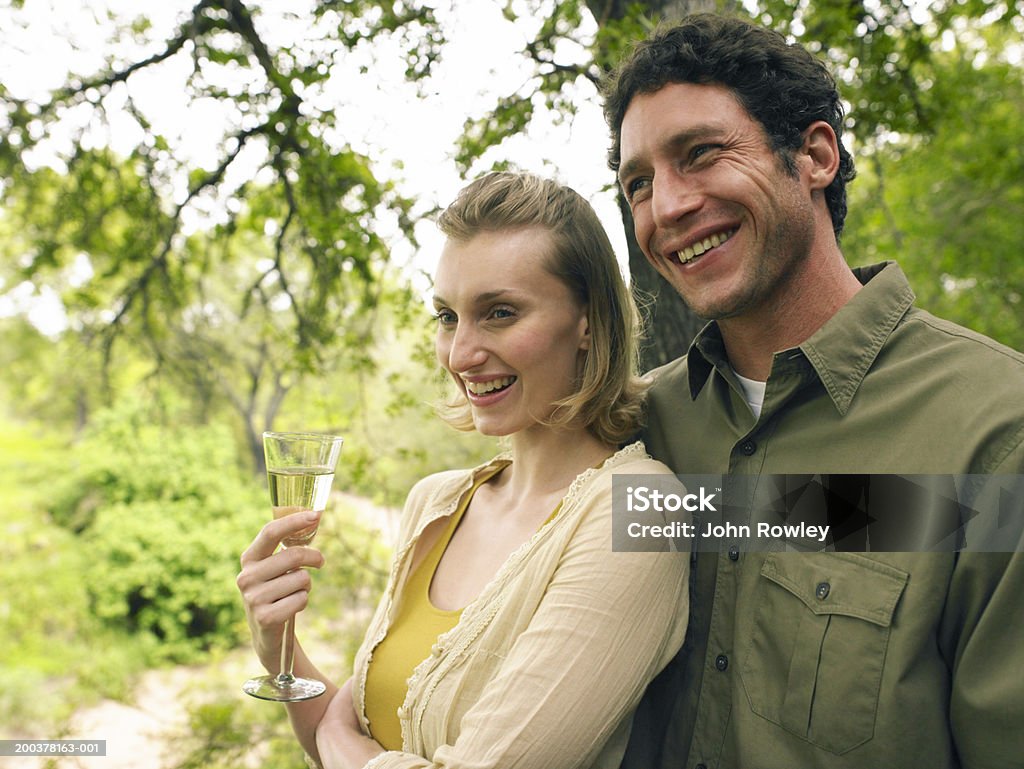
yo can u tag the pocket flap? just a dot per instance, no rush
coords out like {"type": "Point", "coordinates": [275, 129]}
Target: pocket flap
{"type": "Point", "coordinates": [839, 583]}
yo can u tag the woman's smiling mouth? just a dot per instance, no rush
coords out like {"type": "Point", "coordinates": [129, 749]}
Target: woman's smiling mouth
{"type": "Point", "coordinates": [489, 386]}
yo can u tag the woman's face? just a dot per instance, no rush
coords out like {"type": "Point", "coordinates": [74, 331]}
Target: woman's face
{"type": "Point", "coordinates": [508, 331]}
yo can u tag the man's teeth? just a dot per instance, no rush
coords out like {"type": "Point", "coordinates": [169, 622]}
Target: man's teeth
{"type": "Point", "coordinates": [482, 388]}
{"type": "Point", "coordinates": [690, 253]}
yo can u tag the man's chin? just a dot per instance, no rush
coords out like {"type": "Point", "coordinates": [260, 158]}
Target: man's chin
{"type": "Point", "coordinates": [713, 307]}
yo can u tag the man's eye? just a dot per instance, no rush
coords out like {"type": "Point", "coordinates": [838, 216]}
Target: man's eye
{"type": "Point", "coordinates": [702, 149]}
{"type": "Point", "coordinates": [636, 187]}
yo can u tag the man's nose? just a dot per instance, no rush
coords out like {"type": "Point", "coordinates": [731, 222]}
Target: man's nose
{"type": "Point", "coordinates": [673, 196]}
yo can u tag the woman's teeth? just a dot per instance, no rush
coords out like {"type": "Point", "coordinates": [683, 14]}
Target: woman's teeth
{"type": "Point", "coordinates": [690, 253]}
{"type": "Point", "coordinates": [482, 388]}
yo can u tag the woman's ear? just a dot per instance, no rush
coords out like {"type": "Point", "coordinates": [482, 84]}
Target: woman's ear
{"type": "Point", "coordinates": [820, 150]}
{"type": "Point", "coordinates": [585, 330]}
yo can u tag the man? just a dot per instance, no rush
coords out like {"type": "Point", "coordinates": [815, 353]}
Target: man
{"type": "Point", "coordinates": [727, 143]}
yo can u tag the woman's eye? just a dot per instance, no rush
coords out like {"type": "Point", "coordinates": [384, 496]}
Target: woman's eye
{"type": "Point", "coordinates": [502, 313]}
{"type": "Point", "coordinates": [445, 317]}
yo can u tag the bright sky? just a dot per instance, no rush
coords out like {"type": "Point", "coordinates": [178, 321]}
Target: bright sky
{"type": "Point", "coordinates": [383, 116]}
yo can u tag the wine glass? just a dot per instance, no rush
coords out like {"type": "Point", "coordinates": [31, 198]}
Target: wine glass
{"type": "Point", "coordinates": [300, 470]}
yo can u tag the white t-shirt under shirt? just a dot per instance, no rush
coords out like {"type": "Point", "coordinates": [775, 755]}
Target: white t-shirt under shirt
{"type": "Point", "coordinates": [753, 392]}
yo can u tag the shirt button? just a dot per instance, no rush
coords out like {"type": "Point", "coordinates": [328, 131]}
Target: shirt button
{"type": "Point", "coordinates": [402, 713]}
{"type": "Point", "coordinates": [822, 590]}
{"type": "Point", "coordinates": [435, 650]}
{"type": "Point", "coordinates": [734, 553]}
{"type": "Point", "coordinates": [748, 447]}
{"type": "Point", "coordinates": [721, 662]}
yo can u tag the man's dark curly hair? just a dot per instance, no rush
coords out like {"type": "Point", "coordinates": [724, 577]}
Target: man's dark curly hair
{"type": "Point", "coordinates": [781, 86]}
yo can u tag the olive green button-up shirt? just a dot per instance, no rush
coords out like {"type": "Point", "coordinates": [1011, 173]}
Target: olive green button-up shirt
{"type": "Point", "coordinates": [908, 659]}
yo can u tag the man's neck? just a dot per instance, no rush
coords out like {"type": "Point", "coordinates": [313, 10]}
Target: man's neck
{"type": "Point", "coordinates": [752, 339]}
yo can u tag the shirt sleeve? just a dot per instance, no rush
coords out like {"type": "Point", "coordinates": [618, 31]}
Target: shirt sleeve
{"type": "Point", "coordinates": [982, 635]}
{"type": "Point", "coordinates": [607, 624]}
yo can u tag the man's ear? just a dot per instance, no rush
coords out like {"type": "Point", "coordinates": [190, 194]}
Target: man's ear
{"type": "Point", "coordinates": [820, 153]}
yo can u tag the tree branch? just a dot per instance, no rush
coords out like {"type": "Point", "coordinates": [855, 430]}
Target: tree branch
{"type": "Point", "coordinates": [293, 207]}
{"type": "Point", "coordinates": [576, 70]}
{"type": "Point", "coordinates": [241, 19]}
{"type": "Point", "coordinates": [188, 31]}
{"type": "Point", "coordinates": [159, 262]}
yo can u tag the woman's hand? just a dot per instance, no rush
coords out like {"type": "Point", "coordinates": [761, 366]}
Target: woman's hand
{"type": "Point", "coordinates": [274, 585]}
{"type": "Point", "coordinates": [339, 737]}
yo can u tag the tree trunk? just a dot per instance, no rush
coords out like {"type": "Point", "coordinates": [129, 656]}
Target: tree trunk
{"type": "Point", "coordinates": [671, 325]}
{"type": "Point", "coordinates": [254, 440]}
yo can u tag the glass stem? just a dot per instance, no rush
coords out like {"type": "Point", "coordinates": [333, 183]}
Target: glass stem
{"type": "Point", "coordinates": [285, 677]}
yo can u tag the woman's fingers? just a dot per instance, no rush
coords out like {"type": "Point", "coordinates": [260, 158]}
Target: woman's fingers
{"type": "Point", "coordinates": [276, 588]}
{"type": "Point", "coordinates": [274, 583]}
{"type": "Point", "coordinates": [271, 612]}
{"type": "Point", "coordinates": [282, 562]}
{"type": "Point", "coordinates": [275, 577]}
{"type": "Point", "coordinates": [270, 535]}
{"type": "Point", "coordinates": [268, 591]}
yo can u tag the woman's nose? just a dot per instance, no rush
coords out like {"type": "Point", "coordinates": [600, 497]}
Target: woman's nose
{"type": "Point", "coordinates": [466, 350]}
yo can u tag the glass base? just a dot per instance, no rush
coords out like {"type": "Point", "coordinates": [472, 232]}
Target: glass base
{"type": "Point", "coordinates": [283, 688]}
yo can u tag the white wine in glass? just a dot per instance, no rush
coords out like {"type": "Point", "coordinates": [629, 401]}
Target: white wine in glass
{"type": "Point", "coordinates": [300, 471]}
{"type": "Point", "coordinates": [296, 490]}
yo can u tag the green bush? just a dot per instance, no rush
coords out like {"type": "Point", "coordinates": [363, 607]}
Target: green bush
{"type": "Point", "coordinates": [164, 510]}
{"type": "Point", "coordinates": [131, 455]}
{"type": "Point", "coordinates": [167, 569]}
{"type": "Point", "coordinates": [55, 655]}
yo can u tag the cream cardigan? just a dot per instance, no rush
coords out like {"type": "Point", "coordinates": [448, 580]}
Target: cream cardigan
{"type": "Point", "coordinates": [546, 666]}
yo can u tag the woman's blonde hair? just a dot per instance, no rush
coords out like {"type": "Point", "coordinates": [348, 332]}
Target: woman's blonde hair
{"type": "Point", "coordinates": [609, 398]}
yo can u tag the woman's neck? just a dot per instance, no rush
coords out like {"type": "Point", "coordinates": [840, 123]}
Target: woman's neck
{"type": "Point", "coordinates": [547, 460]}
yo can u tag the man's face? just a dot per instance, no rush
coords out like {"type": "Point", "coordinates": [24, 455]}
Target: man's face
{"type": "Point", "coordinates": [715, 211]}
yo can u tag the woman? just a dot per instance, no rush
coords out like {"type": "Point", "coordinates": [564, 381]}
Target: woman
{"type": "Point", "coordinates": [509, 634]}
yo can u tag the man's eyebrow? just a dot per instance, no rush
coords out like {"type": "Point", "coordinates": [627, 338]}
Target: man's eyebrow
{"type": "Point", "coordinates": [628, 168]}
{"type": "Point", "coordinates": [672, 144]}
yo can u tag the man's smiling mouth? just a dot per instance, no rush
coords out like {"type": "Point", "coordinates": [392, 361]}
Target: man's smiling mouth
{"type": "Point", "coordinates": [691, 252]}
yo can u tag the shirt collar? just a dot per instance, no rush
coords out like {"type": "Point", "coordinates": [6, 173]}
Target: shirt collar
{"type": "Point", "coordinates": [842, 350]}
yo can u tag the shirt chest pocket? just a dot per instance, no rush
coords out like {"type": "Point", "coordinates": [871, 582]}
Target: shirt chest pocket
{"type": "Point", "coordinates": [813, 660]}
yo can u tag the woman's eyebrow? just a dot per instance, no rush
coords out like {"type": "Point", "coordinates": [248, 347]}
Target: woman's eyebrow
{"type": "Point", "coordinates": [486, 296]}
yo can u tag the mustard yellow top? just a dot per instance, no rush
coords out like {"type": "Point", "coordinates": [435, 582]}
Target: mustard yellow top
{"type": "Point", "coordinates": [567, 627]}
{"type": "Point", "coordinates": [416, 627]}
